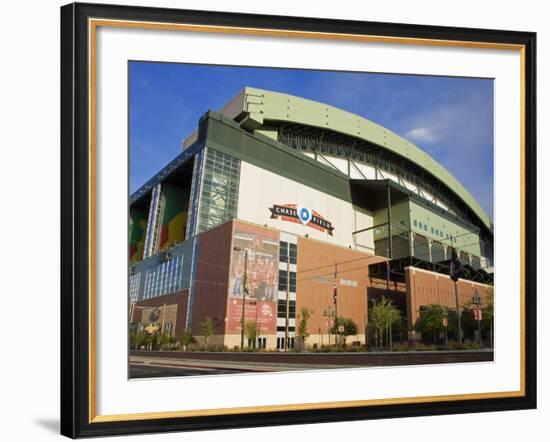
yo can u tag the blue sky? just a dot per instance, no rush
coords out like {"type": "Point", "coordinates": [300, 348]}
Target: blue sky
{"type": "Point", "coordinates": [449, 118]}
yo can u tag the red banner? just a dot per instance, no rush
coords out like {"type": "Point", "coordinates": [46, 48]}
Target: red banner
{"type": "Point", "coordinates": [263, 313]}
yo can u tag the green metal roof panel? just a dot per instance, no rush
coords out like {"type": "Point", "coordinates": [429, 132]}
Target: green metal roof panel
{"type": "Point", "coordinates": [225, 135]}
{"type": "Point", "coordinates": [264, 105]}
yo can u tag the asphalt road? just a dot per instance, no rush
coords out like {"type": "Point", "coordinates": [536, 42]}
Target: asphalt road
{"type": "Point", "coordinates": [145, 364]}
{"type": "Point", "coordinates": [138, 371]}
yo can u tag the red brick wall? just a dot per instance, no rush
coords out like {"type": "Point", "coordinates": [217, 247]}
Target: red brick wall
{"type": "Point", "coordinates": [315, 282]}
{"type": "Point", "coordinates": [211, 278]}
{"type": "Point", "coordinates": [425, 287]}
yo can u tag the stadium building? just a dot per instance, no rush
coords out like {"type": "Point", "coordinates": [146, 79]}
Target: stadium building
{"type": "Point", "coordinates": [277, 203]}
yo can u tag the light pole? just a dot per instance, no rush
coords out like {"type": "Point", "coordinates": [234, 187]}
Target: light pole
{"type": "Point", "coordinates": [244, 289]}
{"type": "Point", "coordinates": [455, 274]}
{"type": "Point", "coordinates": [445, 324]}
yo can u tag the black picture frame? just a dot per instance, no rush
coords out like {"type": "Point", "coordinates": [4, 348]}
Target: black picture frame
{"type": "Point", "coordinates": [75, 220]}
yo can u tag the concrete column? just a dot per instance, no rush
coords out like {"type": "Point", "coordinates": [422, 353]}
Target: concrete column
{"type": "Point", "coordinates": [430, 249]}
{"type": "Point", "coordinates": [411, 243]}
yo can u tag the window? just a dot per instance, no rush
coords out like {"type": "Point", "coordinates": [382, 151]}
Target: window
{"type": "Point", "coordinates": [291, 309]}
{"type": "Point", "coordinates": [293, 251]}
{"type": "Point", "coordinates": [432, 230]}
{"type": "Point", "coordinates": [420, 225]}
{"type": "Point", "coordinates": [282, 280]}
{"type": "Point", "coordinates": [288, 252]}
{"type": "Point", "coordinates": [283, 251]}
{"type": "Point", "coordinates": [281, 328]}
{"type": "Point", "coordinates": [426, 227]}
{"type": "Point", "coordinates": [220, 190]}
{"type": "Point", "coordinates": [281, 308]}
{"type": "Point", "coordinates": [164, 278]}
{"type": "Point", "coordinates": [415, 223]}
{"type": "Point", "coordinates": [437, 232]}
{"type": "Point", "coordinates": [292, 282]}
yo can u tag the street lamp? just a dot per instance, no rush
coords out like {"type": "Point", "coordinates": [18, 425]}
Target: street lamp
{"type": "Point", "coordinates": [476, 301]}
{"type": "Point", "coordinates": [445, 324]}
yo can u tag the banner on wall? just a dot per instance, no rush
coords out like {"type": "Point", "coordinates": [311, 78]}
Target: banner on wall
{"type": "Point", "coordinates": [174, 216]}
{"type": "Point", "coordinates": [256, 255]}
{"type": "Point", "coordinates": [138, 226]}
{"type": "Point", "coordinates": [262, 313]}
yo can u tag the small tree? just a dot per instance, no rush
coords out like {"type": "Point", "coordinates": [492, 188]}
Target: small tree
{"type": "Point", "coordinates": [207, 330]}
{"type": "Point", "coordinates": [146, 340]}
{"type": "Point", "coordinates": [252, 331]}
{"type": "Point", "coordinates": [186, 339]}
{"type": "Point", "coordinates": [431, 320]}
{"type": "Point", "coordinates": [304, 316]}
{"type": "Point", "coordinates": [350, 327]}
{"type": "Point", "coordinates": [383, 315]}
{"type": "Point", "coordinates": [137, 339]}
{"type": "Point", "coordinates": [133, 339]}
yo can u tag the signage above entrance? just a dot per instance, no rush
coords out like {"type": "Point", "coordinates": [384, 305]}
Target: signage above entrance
{"type": "Point", "coordinates": [301, 215]}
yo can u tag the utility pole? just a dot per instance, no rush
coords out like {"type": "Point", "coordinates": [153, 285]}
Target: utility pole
{"type": "Point", "coordinates": [287, 298]}
{"type": "Point", "coordinates": [162, 325]}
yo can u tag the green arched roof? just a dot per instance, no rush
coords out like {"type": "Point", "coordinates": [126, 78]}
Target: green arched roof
{"type": "Point", "coordinates": [263, 106]}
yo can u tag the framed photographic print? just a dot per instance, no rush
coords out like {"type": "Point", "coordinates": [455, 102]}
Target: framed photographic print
{"type": "Point", "coordinates": [274, 220]}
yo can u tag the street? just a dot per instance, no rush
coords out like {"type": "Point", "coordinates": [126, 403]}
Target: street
{"type": "Point", "coordinates": [146, 364]}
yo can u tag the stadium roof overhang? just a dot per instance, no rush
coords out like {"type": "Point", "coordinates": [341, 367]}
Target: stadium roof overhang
{"type": "Point", "coordinates": [258, 109]}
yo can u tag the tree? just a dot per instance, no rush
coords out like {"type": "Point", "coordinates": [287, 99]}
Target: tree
{"type": "Point", "coordinates": [383, 315]}
{"type": "Point", "coordinates": [350, 327]}
{"type": "Point", "coordinates": [186, 339]}
{"type": "Point", "coordinates": [468, 322]}
{"type": "Point", "coordinates": [431, 320]}
{"type": "Point", "coordinates": [163, 339]}
{"type": "Point", "coordinates": [305, 314]}
{"type": "Point", "coordinates": [146, 340]}
{"type": "Point", "coordinates": [207, 330]}
{"type": "Point", "coordinates": [252, 330]}
{"type": "Point", "coordinates": [137, 339]}
{"type": "Point", "coordinates": [133, 339]}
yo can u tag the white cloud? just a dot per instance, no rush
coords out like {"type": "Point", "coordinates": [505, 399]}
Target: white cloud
{"type": "Point", "coordinates": [422, 134]}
